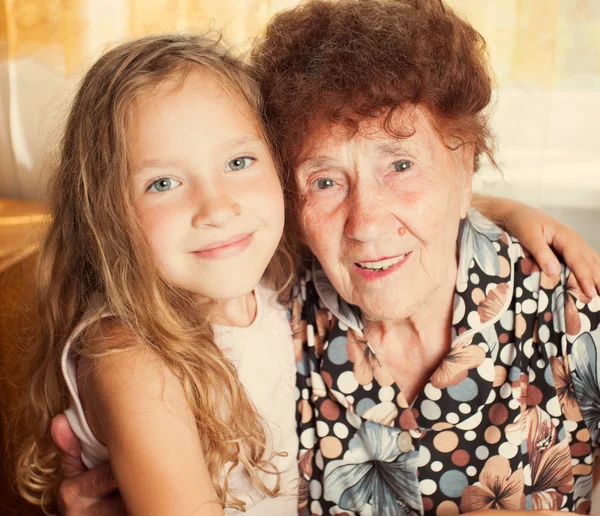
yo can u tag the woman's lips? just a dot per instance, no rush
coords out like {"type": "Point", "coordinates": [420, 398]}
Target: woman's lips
{"type": "Point", "coordinates": [225, 248]}
{"type": "Point", "coordinates": [382, 267]}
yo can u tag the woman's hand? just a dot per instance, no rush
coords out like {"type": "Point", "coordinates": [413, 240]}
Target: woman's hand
{"type": "Point", "coordinates": [540, 234]}
{"type": "Point", "coordinates": [83, 492]}
{"type": "Point", "coordinates": [520, 513]}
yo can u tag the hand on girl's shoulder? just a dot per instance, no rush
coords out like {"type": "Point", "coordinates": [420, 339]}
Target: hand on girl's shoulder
{"type": "Point", "coordinates": [137, 407]}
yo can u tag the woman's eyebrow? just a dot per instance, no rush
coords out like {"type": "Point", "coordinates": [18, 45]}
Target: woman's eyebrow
{"type": "Point", "coordinates": [392, 147]}
{"type": "Point", "coordinates": [313, 163]}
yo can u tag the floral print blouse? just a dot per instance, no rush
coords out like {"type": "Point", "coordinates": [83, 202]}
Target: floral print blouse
{"type": "Point", "coordinates": [509, 420]}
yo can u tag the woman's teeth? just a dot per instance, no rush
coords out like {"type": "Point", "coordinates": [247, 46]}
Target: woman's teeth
{"type": "Point", "coordinates": [383, 264]}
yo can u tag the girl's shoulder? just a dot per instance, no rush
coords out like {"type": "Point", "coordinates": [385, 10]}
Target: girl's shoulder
{"type": "Point", "coordinates": [99, 358]}
{"type": "Point", "coordinates": [112, 367]}
{"type": "Point", "coordinates": [97, 329]}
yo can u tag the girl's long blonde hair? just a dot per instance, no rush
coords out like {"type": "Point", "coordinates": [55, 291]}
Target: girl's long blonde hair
{"type": "Point", "coordinates": [94, 246]}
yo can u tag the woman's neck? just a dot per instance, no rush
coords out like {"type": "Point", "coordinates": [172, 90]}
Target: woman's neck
{"type": "Point", "coordinates": [412, 348]}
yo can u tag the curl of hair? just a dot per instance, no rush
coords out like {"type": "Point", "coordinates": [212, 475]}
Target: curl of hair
{"type": "Point", "coordinates": [94, 247]}
{"type": "Point", "coordinates": [341, 61]}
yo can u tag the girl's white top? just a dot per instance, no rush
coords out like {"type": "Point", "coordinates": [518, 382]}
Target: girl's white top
{"type": "Point", "coordinates": [264, 357]}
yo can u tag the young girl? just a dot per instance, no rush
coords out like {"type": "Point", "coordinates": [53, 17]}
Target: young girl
{"type": "Point", "coordinates": [158, 288]}
{"type": "Point", "coordinates": [162, 337]}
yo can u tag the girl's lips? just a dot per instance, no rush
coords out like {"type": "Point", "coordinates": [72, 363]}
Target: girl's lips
{"type": "Point", "coordinates": [371, 274]}
{"type": "Point", "coordinates": [226, 248]}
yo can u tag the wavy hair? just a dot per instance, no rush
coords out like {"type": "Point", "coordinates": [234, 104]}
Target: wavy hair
{"type": "Point", "coordinates": [343, 61]}
{"type": "Point", "coordinates": [94, 246]}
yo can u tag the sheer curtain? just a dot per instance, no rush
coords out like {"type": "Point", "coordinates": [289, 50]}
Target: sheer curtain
{"type": "Point", "coordinates": [46, 46]}
{"type": "Point", "coordinates": [545, 55]}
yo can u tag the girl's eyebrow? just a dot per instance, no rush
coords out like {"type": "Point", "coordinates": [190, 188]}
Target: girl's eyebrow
{"type": "Point", "coordinates": [248, 139]}
{"type": "Point", "coordinates": [159, 163]}
{"type": "Point", "coordinates": [168, 162]}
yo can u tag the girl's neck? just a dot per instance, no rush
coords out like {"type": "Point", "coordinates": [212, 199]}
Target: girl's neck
{"type": "Point", "coordinates": [239, 312]}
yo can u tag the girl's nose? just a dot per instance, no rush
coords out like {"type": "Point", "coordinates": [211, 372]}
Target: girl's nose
{"type": "Point", "coordinates": [216, 210]}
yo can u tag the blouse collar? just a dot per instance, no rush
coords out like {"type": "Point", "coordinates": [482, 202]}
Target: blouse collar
{"type": "Point", "coordinates": [485, 251]}
{"type": "Point", "coordinates": [483, 297]}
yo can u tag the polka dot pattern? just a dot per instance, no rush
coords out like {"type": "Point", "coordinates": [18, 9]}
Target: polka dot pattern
{"type": "Point", "coordinates": [508, 379]}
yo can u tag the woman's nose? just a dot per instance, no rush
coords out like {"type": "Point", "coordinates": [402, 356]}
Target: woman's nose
{"type": "Point", "coordinates": [216, 209]}
{"type": "Point", "coordinates": [369, 218]}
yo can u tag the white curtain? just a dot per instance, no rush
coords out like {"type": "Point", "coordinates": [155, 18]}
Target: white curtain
{"type": "Point", "coordinates": [545, 54]}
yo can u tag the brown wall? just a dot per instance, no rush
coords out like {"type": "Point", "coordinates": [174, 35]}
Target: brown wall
{"type": "Point", "coordinates": [16, 302]}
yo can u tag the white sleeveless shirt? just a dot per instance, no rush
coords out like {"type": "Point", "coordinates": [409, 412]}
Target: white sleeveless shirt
{"type": "Point", "coordinates": [264, 358]}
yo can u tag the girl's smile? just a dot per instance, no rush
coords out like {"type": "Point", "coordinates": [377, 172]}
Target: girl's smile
{"type": "Point", "coordinates": [206, 191]}
{"type": "Point", "coordinates": [226, 248]}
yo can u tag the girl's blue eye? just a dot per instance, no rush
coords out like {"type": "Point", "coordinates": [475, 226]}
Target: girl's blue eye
{"type": "Point", "coordinates": [240, 163]}
{"type": "Point", "coordinates": [402, 165]}
{"type": "Point", "coordinates": [324, 183]}
{"type": "Point", "coordinates": [163, 184]}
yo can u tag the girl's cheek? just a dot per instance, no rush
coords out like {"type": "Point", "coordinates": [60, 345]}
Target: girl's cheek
{"type": "Point", "coordinates": [155, 221]}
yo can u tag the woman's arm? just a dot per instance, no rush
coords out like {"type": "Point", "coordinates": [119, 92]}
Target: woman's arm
{"type": "Point", "coordinates": [539, 233]}
{"type": "Point", "coordinates": [137, 407]}
{"type": "Point", "coordinates": [520, 513]}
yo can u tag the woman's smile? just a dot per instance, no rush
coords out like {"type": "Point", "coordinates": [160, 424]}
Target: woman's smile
{"type": "Point", "coordinates": [381, 268]}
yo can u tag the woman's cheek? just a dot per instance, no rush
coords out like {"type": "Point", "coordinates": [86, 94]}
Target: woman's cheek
{"type": "Point", "coordinates": [424, 197]}
{"type": "Point", "coordinates": [320, 208]}
{"type": "Point", "coordinates": [315, 220]}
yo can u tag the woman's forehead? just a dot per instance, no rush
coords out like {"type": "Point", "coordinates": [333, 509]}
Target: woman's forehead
{"type": "Point", "coordinates": [385, 134]}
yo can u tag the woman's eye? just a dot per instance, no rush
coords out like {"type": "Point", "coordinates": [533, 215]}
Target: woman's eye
{"type": "Point", "coordinates": [402, 165]}
{"type": "Point", "coordinates": [163, 184]}
{"type": "Point", "coordinates": [240, 163]}
{"type": "Point", "coordinates": [324, 183]}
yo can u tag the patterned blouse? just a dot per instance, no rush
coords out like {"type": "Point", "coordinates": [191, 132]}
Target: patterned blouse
{"type": "Point", "coordinates": [509, 420]}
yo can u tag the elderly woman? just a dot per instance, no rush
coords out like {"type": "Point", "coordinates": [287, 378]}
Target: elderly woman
{"type": "Point", "coordinates": [440, 370]}
{"type": "Point", "coordinates": [443, 372]}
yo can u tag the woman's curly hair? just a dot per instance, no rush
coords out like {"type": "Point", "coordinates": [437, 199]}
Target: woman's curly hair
{"type": "Point", "coordinates": [341, 61]}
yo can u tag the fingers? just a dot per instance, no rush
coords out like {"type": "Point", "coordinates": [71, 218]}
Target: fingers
{"type": "Point", "coordinates": [87, 492]}
{"type": "Point", "coordinates": [596, 271]}
{"type": "Point", "coordinates": [112, 506]}
{"type": "Point", "coordinates": [83, 492]}
{"type": "Point", "coordinates": [589, 285]}
{"type": "Point", "coordinates": [546, 259]}
{"type": "Point", "coordinates": [586, 268]}
{"type": "Point", "coordinates": [64, 437]}
{"type": "Point", "coordinates": [583, 261]}
{"type": "Point", "coordinates": [98, 482]}
{"type": "Point", "coordinates": [537, 240]}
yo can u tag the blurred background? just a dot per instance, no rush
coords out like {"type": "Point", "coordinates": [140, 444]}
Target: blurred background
{"type": "Point", "coordinates": [545, 55]}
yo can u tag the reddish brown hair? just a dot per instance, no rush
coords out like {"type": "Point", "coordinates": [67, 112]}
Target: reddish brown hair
{"type": "Point", "coordinates": [345, 60]}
